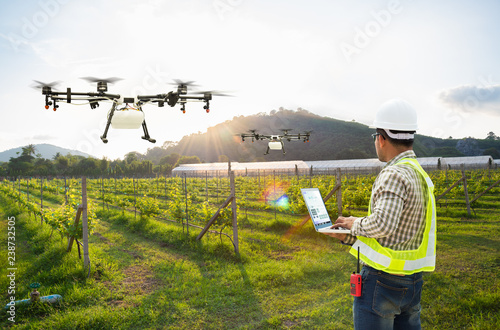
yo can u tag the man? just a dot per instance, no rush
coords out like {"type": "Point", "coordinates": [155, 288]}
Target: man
{"type": "Point", "coordinates": [397, 239]}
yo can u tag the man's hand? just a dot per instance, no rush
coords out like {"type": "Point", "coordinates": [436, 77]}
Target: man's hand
{"type": "Point", "coordinates": [344, 222]}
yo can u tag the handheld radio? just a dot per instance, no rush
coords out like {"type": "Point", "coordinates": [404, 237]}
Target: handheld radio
{"type": "Point", "coordinates": [356, 282]}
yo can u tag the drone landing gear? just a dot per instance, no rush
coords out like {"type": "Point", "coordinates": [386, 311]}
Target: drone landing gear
{"type": "Point", "coordinates": [282, 148]}
{"type": "Point", "coordinates": [110, 116]}
{"type": "Point", "coordinates": [267, 151]}
{"type": "Point", "coordinates": [146, 133]}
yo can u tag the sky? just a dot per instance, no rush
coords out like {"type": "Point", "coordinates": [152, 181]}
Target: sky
{"type": "Point", "coordinates": [339, 59]}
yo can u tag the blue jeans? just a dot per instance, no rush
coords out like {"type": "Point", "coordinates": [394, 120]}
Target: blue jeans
{"type": "Point", "coordinates": [388, 301]}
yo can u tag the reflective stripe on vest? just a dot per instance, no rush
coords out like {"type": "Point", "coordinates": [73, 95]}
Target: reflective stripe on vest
{"type": "Point", "coordinates": [403, 262]}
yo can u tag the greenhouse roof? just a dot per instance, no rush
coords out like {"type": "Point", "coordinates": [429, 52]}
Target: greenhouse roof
{"type": "Point", "coordinates": [345, 163]}
{"type": "Point", "coordinates": [278, 165]}
{"type": "Point", "coordinates": [201, 167]}
{"type": "Point", "coordinates": [349, 164]}
{"type": "Point", "coordinates": [429, 161]}
{"type": "Point", "coordinates": [468, 160]}
{"type": "Point", "coordinates": [236, 166]}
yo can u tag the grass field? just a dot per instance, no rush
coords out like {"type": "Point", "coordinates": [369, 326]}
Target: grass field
{"type": "Point", "coordinates": [148, 274]}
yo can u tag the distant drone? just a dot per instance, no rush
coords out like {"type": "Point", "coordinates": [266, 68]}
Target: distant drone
{"type": "Point", "coordinates": [276, 141]}
{"type": "Point", "coordinates": [125, 112]}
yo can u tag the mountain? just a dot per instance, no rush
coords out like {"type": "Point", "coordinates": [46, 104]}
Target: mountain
{"type": "Point", "coordinates": [47, 151]}
{"type": "Point", "coordinates": [330, 139]}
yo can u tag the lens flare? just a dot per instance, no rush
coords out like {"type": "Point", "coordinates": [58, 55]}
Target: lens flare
{"type": "Point", "coordinates": [275, 195]}
{"type": "Point", "coordinates": [283, 202]}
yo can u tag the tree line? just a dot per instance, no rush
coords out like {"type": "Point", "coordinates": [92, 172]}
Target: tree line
{"type": "Point", "coordinates": [29, 163]}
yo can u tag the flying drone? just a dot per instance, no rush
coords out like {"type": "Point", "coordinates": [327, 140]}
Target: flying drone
{"type": "Point", "coordinates": [276, 141]}
{"type": "Point", "coordinates": [125, 112]}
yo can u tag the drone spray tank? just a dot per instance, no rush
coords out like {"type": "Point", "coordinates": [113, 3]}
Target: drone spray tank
{"type": "Point", "coordinates": [127, 117]}
{"type": "Point", "coordinates": [275, 143]}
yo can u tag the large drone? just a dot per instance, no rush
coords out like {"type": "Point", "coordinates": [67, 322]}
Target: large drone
{"type": "Point", "coordinates": [125, 112]}
{"type": "Point", "coordinates": [276, 141]}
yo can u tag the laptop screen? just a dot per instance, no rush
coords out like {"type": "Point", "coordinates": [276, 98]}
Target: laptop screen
{"type": "Point", "coordinates": [316, 207]}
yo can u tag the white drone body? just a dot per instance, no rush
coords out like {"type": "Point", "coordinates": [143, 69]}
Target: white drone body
{"type": "Point", "coordinates": [276, 140]}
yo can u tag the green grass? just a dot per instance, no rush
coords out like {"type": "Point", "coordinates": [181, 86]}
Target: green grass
{"type": "Point", "coordinates": [149, 274]}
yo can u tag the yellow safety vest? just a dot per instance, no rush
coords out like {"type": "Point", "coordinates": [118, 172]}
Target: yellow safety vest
{"type": "Point", "coordinates": [403, 262]}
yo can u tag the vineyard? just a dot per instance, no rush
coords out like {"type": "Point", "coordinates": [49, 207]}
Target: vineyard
{"type": "Point", "coordinates": [132, 220]}
{"type": "Point", "coordinates": [195, 200]}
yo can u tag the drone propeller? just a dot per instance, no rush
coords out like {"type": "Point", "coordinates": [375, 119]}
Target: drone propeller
{"type": "Point", "coordinates": [47, 91]}
{"type": "Point", "coordinates": [185, 83]}
{"type": "Point", "coordinates": [41, 85]}
{"type": "Point", "coordinates": [214, 93]}
{"type": "Point", "coordinates": [207, 96]}
{"type": "Point", "coordinates": [111, 80]}
{"type": "Point", "coordinates": [182, 86]}
{"type": "Point", "coordinates": [102, 84]}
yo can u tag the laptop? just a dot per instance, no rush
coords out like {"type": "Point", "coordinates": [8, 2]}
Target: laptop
{"type": "Point", "coordinates": [319, 214]}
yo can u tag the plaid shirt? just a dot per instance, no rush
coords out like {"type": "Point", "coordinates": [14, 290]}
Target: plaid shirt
{"type": "Point", "coordinates": [398, 207]}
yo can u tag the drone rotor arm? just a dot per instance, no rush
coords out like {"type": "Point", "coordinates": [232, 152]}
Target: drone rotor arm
{"type": "Point", "coordinates": [188, 98]}
{"type": "Point", "coordinates": [156, 97]}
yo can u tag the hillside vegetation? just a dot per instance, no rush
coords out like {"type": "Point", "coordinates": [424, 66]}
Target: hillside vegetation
{"type": "Point", "coordinates": [330, 139]}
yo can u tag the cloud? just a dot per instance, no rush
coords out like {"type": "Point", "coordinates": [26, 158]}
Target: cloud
{"type": "Point", "coordinates": [473, 99]}
{"type": "Point", "coordinates": [43, 137]}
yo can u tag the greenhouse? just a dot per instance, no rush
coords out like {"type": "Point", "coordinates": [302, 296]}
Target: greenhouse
{"type": "Point", "coordinates": [469, 163]}
{"type": "Point", "coordinates": [250, 168]}
{"type": "Point", "coordinates": [358, 166]}
{"type": "Point", "coordinates": [330, 167]}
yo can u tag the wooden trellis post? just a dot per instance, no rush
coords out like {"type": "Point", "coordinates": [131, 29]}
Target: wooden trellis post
{"type": "Point", "coordinates": [234, 212]}
{"type": "Point", "coordinates": [82, 213]}
{"type": "Point", "coordinates": [231, 199]}
{"type": "Point", "coordinates": [463, 180]}
{"type": "Point", "coordinates": [339, 192]}
{"type": "Point", "coordinates": [465, 190]}
{"type": "Point", "coordinates": [86, 260]}
{"type": "Point", "coordinates": [186, 199]}
{"type": "Point", "coordinates": [77, 221]}
{"type": "Point", "coordinates": [41, 200]}
{"type": "Point", "coordinates": [484, 192]}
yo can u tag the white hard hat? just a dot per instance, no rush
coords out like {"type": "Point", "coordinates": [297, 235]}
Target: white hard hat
{"type": "Point", "coordinates": [396, 114]}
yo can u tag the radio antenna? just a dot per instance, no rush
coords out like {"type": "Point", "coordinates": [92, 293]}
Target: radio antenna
{"type": "Point", "coordinates": [358, 260]}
